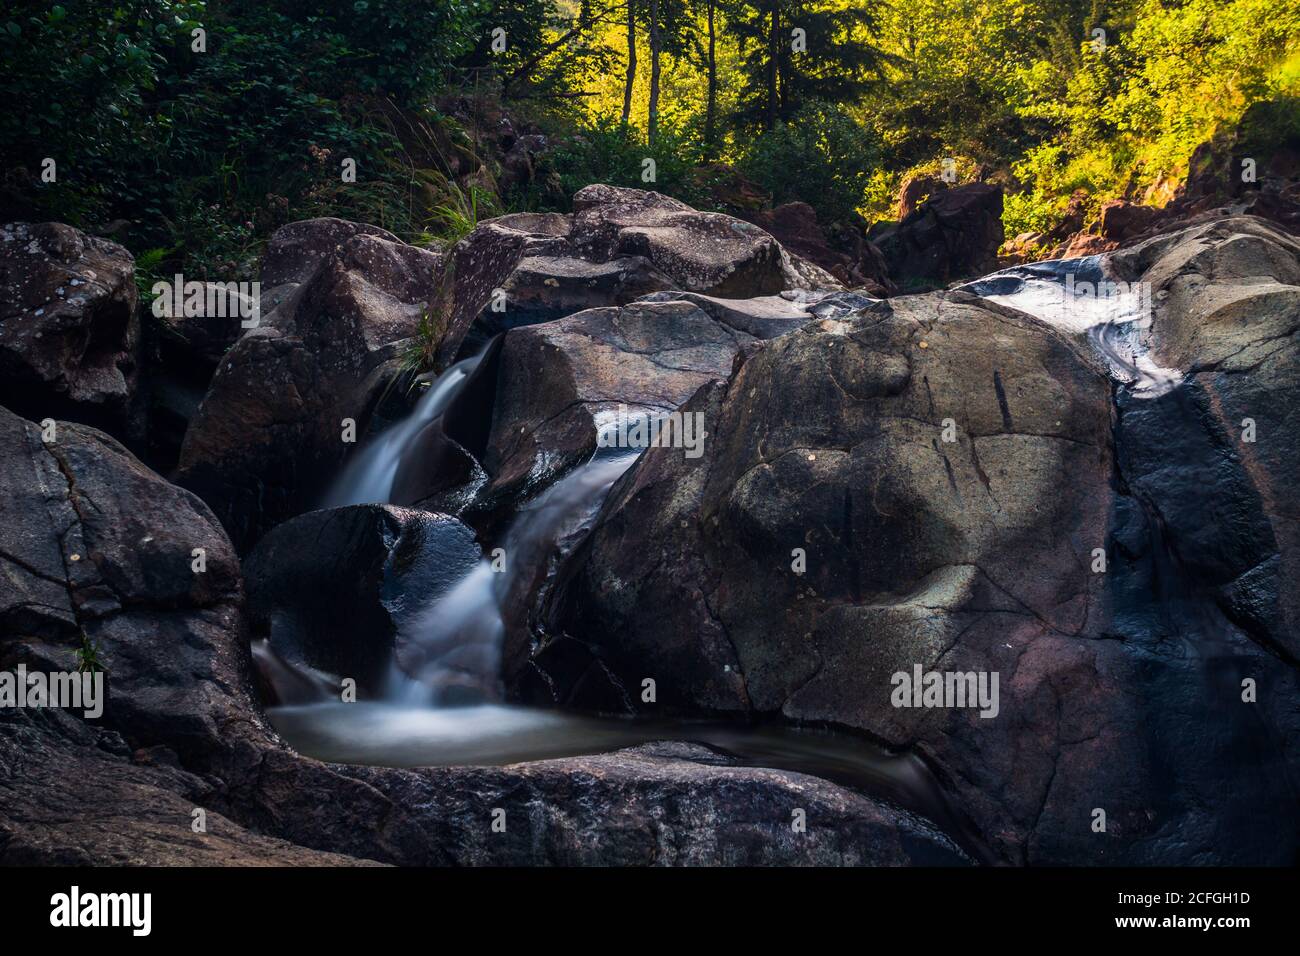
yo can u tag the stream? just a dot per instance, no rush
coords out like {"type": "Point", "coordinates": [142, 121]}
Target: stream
{"type": "Point", "coordinates": [456, 640]}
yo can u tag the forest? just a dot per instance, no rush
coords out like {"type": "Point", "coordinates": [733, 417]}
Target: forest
{"type": "Point", "coordinates": [196, 128]}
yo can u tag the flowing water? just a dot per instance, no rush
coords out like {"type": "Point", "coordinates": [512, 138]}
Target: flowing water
{"type": "Point", "coordinates": [455, 643]}
{"type": "Point", "coordinates": [460, 634]}
{"type": "Point", "coordinates": [368, 477]}
{"type": "Point", "coordinates": [390, 734]}
{"type": "Point", "coordinates": [1079, 297]}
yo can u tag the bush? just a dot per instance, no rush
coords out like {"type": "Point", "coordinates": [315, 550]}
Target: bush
{"type": "Point", "coordinates": [822, 157]}
{"type": "Point", "coordinates": [606, 151]}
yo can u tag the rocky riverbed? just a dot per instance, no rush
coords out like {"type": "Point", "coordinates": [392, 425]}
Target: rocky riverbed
{"type": "Point", "coordinates": [975, 480]}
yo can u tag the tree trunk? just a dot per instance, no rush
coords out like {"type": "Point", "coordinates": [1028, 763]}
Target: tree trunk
{"type": "Point", "coordinates": [773, 55]}
{"type": "Point", "coordinates": [631, 61]}
{"type": "Point", "coordinates": [711, 109]}
{"type": "Point", "coordinates": [652, 126]}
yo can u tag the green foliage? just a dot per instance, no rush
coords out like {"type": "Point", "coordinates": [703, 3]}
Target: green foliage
{"type": "Point", "coordinates": [88, 661]}
{"type": "Point", "coordinates": [822, 156]}
{"type": "Point", "coordinates": [422, 346]}
{"type": "Point", "coordinates": [210, 150]}
{"type": "Point", "coordinates": [206, 152]}
{"type": "Point", "coordinates": [839, 64]}
{"type": "Point", "coordinates": [456, 218]}
{"type": "Point", "coordinates": [606, 151]}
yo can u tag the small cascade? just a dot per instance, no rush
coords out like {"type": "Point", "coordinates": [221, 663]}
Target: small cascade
{"type": "Point", "coordinates": [1079, 297]}
{"type": "Point", "coordinates": [368, 477]}
{"type": "Point", "coordinates": [454, 645]}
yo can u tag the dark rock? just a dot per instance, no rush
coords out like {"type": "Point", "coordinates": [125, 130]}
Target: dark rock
{"type": "Point", "coordinates": [268, 436]}
{"type": "Point", "coordinates": [1227, 309]}
{"type": "Point", "coordinates": [297, 249]}
{"type": "Point", "coordinates": [853, 260]}
{"type": "Point", "coordinates": [915, 190]}
{"type": "Point", "coordinates": [702, 252]}
{"type": "Point", "coordinates": [73, 804]}
{"type": "Point", "coordinates": [338, 590]}
{"type": "Point", "coordinates": [619, 244]}
{"type": "Point", "coordinates": [180, 731]}
{"type": "Point", "coordinates": [542, 288]}
{"type": "Point", "coordinates": [1121, 220]}
{"type": "Point", "coordinates": [98, 550]}
{"type": "Point", "coordinates": [69, 336]}
{"type": "Point", "coordinates": [952, 235]}
{"type": "Point", "coordinates": [535, 405]}
{"type": "Point", "coordinates": [963, 556]}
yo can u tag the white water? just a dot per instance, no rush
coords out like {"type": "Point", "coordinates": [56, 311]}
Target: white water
{"type": "Point", "coordinates": [1079, 298]}
{"type": "Point", "coordinates": [456, 641]}
{"type": "Point", "coordinates": [368, 477]}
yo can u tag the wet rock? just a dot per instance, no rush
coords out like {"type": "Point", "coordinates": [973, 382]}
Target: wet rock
{"type": "Point", "coordinates": [100, 550]}
{"type": "Point", "coordinates": [338, 590]}
{"type": "Point", "coordinates": [269, 434]}
{"type": "Point", "coordinates": [535, 406]}
{"type": "Point", "coordinates": [69, 336]}
{"type": "Point", "coordinates": [1226, 311]}
{"type": "Point", "coordinates": [954, 234]}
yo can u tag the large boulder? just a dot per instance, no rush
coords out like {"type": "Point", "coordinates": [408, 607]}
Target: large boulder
{"type": "Point", "coordinates": [954, 234]}
{"type": "Point", "coordinates": [936, 500]}
{"type": "Point", "coordinates": [618, 245]}
{"type": "Point", "coordinates": [99, 554]}
{"type": "Point", "coordinates": [543, 288]}
{"type": "Point", "coordinates": [69, 336]}
{"type": "Point", "coordinates": [535, 406]}
{"type": "Point", "coordinates": [270, 432]}
{"type": "Point", "coordinates": [703, 252]}
{"type": "Point", "coordinates": [1220, 458]}
{"type": "Point", "coordinates": [859, 458]}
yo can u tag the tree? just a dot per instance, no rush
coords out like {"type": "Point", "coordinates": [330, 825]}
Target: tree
{"type": "Point", "coordinates": [797, 51]}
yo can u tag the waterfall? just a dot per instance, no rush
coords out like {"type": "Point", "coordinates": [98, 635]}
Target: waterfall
{"type": "Point", "coordinates": [368, 477]}
{"type": "Point", "coordinates": [455, 642]}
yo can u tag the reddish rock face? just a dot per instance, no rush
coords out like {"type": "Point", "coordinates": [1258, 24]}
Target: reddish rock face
{"type": "Point", "coordinates": [954, 234]}
{"type": "Point", "coordinates": [914, 191]}
{"type": "Point", "coordinates": [69, 336]}
{"type": "Point", "coordinates": [853, 260]}
{"type": "Point", "coordinates": [1121, 220]}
